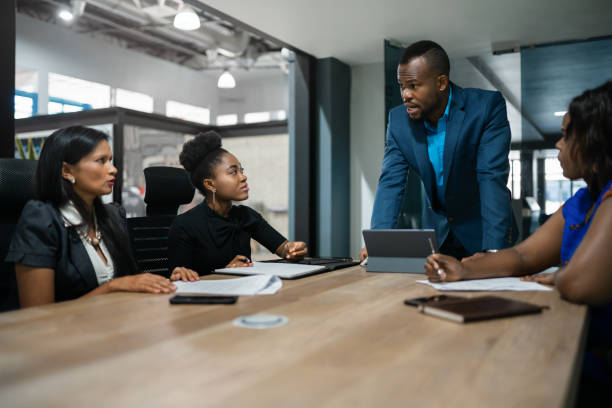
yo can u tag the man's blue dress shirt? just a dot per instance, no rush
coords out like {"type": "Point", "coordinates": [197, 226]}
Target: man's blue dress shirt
{"type": "Point", "coordinates": [435, 148]}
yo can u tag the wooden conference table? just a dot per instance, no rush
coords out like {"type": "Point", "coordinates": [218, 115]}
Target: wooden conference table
{"type": "Point", "coordinates": [350, 342]}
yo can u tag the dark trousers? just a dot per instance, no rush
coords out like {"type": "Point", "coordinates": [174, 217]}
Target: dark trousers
{"type": "Point", "coordinates": [453, 247]}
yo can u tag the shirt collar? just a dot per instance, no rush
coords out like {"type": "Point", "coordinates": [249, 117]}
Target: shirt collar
{"type": "Point", "coordinates": [448, 104]}
{"type": "Point", "coordinates": [444, 117]}
{"type": "Point", "coordinates": [70, 214]}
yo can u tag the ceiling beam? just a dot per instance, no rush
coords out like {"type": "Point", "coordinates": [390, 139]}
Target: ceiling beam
{"type": "Point", "coordinates": [241, 25]}
{"type": "Point", "coordinates": [498, 84]}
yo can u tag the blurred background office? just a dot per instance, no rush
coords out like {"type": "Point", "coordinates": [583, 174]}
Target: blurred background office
{"type": "Point", "coordinates": [298, 90]}
{"type": "Point", "coordinates": [90, 55]}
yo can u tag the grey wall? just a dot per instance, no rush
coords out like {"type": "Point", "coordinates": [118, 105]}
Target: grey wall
{"type": "Point", "coordinates": [367, 144]}
{"type": "Point", "coordinates": [333, 158]}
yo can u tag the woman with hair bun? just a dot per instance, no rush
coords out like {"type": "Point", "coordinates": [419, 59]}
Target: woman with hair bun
{"type": "Point", "coordinates": [217, 234]}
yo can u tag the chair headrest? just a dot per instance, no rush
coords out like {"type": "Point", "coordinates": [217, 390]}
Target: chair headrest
{"type": "Point", "coordinates": [166, 189]}
{"type": "Point", "coordinates": [16, 184]}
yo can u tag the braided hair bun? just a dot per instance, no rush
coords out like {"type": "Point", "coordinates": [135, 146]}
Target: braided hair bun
{"type": "Point", "coordinates": [199, 157]}
{"type": "Point", "coordinates": [195, 150]}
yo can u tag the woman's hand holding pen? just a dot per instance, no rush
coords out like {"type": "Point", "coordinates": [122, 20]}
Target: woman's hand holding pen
{"type": "Point", "coordinates": [239, 261]}
{"type": "Point", "coordinates": [443, 268]}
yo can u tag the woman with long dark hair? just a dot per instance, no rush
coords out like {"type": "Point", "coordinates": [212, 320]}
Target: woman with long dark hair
{"type": "Point", "coordinates": [67, 243]}
{"type": "Point", "coordinates": [216, 233]}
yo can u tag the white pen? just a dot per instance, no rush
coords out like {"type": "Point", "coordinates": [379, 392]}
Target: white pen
{"type": "Point", "coordinates": [433, 251]}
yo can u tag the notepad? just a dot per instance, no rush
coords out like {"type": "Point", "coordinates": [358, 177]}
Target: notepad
{"type": "Point", "coordinates": [463, 310]}
{"type": "Point", "coordinates": [250, 285]}
{"type": "Point", "coordinates": [493, 284]}
{"type": "Point", "coordinates": [282, 270]}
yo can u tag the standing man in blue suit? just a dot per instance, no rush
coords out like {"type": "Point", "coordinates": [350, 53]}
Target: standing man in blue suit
{"type": "Point", "coordinates": [457, 140]}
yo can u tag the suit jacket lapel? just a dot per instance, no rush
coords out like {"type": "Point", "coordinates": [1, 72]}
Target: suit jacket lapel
{"type": "Point", "coordinates": [81, 260]}
{"type": "Point", "coordinates": [453, 132]}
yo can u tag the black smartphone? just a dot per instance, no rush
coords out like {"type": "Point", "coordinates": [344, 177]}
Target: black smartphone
{"type": "Point", "coordinates": [420, 300]}
{"type": "Point", "coordinates": [203, 300]}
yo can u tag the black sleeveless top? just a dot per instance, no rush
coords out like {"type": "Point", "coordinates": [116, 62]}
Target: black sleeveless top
{"type": "Point", "coordinates": [203, 240]}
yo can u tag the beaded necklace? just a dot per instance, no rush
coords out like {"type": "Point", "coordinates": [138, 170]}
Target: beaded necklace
{"type": "Point", "coordinates": [83, 233]}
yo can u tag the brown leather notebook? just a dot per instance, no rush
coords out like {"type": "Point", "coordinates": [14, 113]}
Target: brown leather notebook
{"type": "Point", "coordinates": [463, 310]}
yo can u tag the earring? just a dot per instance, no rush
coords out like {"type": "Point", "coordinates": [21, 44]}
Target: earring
{"type": "Point", "coordinates": [72, 180]}
{"type": "Point", "coordinates": [214, 201]}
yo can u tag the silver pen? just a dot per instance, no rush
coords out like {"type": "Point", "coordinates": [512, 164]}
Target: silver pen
{"type": "Point", "coordinates": [433, 251]}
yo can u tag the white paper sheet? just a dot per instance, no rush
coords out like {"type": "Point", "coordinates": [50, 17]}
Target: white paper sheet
{"type": "Point", "coordinates": [513, 284]}
{"type": "Point", "coordinates": [249, 285]}
{"type": "Point", "coordinates": [282, 270]}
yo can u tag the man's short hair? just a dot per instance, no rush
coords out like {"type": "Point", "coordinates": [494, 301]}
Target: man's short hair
{"type": "Point", "coordinates": [433, 53]}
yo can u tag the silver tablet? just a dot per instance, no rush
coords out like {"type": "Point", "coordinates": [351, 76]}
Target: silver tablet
{"type": "Point", "coordinates": [399, 250]}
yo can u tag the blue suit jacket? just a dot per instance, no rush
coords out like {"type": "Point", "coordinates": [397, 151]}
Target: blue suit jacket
{"type": "Point", "coordinates": [478, 206]}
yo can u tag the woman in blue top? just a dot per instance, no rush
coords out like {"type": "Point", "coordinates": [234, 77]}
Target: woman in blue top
{"type": "Point", "coordinates": [577, 237]}
{"type": "Point", "coordinates": [579, 234]}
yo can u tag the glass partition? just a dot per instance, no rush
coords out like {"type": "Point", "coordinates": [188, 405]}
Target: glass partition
{"type": "Point", "coordinates": [265, 159]}
{"type": "Point", "coordinates": [140, 140]}
{"type": "Point", "coordinates": [146, 147]}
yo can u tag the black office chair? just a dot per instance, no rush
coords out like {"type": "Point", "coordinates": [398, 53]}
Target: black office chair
{"type": "Point", "coordinates": [16, 188]}
{"type": "Point", "coordinates": [166, 189]}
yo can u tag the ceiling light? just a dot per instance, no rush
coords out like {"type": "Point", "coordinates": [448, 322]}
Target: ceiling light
{"type": "Point", "coordinates": [227, 53]}
{"type": "Point", "coordinates": [186, 19]}
{"type": "Point", "coordinates": [285, 53]}
{"type": "Point", "coordinates": [65, 15]}
{"type": "Point", "coordinates": [560, 113]}
{"type": "Point", "coordinates": [226, 80]}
